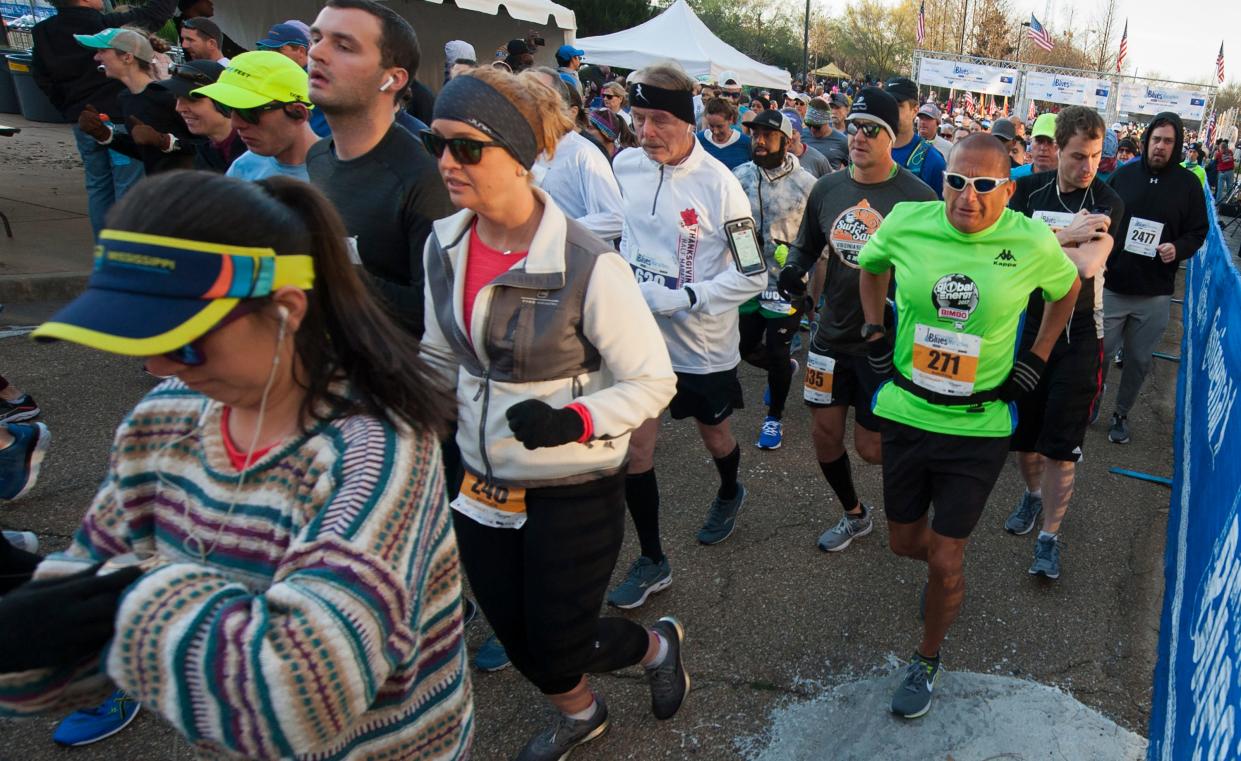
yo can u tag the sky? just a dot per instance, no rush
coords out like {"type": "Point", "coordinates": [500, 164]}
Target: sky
{"type": "Point", "coordinates": [1179, 40]}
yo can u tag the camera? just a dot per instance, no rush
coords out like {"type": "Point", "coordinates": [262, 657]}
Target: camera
{"type": "Point", "coordinates": [534, 39]}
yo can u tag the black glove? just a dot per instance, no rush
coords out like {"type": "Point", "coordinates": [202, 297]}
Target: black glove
{"type": "Point", "coordinates": [792, 283]}
{"type": "Point", "coordinates": [879, 355]}
{"type": "Point", "coordinates": [60, 622]}
{"type": "Point", "coordinates": [1024, 378]}
{"type": "Point", "coordinates": [536, 424]}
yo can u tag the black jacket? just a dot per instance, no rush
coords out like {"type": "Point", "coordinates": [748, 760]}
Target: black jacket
{"type": "Point", "coordinates": [1172, 196]}
{"type": "Point", "coordinates": [157, 108]}
{"type": "Point", "coordinates": [67, 72]}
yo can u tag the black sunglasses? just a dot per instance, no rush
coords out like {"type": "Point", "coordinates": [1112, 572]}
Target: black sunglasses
{"type": "Point", "coordinates": [193, 354]}
{"type": "Point", "coordinates": [871, 131]}
{"type": "Point", "coordinates": [252, 115]}
{"type": "Point", "coordinates": [465, 150]}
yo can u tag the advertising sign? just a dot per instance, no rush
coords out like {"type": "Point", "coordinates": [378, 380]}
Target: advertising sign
{"type": "Point", "coordinates": [1073, 91]}
{"type": "Point", "coordinates": [1150, 99]}
{"type": "Point", "coordinates": [973, 77]}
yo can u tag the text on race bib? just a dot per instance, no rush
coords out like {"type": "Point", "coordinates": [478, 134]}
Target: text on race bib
{"type": "Point", "coordinates": [945, 361]}
{"type": "Point", "coordinates": [1143, 237]}
{"type": "Point", "coordinates": [818, 383]}
{"type": "Point", "coordinates": [491, 504]}
{"type": "Point", "coordinates": [1056, 220]}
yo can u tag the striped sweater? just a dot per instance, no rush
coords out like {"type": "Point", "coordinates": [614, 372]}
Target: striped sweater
{"type": "Point", "coordinates": [326, 621]}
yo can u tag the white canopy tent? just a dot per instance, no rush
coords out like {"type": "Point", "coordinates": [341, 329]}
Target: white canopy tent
{"type": "Point", "coordinates": [485, 24]}
{"type": "Point", "coordinates": [678, 34]}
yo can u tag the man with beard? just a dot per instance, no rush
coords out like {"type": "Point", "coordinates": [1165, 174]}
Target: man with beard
{"type": "Point", "coordinates": [845, 209]}
{"type": "Point", "coordinates": [778, 188]}
{"type": "Point", "coordinates": [1165, 223]}
{"type": "Point", "coordinates": [385, 185]}
{"type": "Point", "coordinates": [1085, 215]}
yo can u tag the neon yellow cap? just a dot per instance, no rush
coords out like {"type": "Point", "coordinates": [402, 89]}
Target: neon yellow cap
{"type": "Point", "coordinates": [258, 78]}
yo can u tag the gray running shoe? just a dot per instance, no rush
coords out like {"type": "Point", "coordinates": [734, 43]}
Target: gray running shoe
{"type": "Point", "coordinates": [1119, 432]}
{"type": "Point", "coordinates": [557, 741]}
{"type": "Point", "coordinates": [1023, 516]}
{"type": "Point", "coordinates": [722, 518]}
{"type": "Point", "coordinates": [913, 696]}
{"type": "Point", "coordinates": [669, 682]}
{"type": "Point", "coordinates": [1046, 558]}
{"type": "Point", "coordinates": [849, 527]}
{"type": "Point", "coordinates": [645, 578]}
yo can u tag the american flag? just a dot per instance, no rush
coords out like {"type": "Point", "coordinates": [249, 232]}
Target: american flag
{"type": "Point", "coordinates": [921, 22]}
{"type": "Point", "coordinates": [952, 100]}
{"type": "Point", "coordinates": [1210, 130]}
{"type": "Point", "coordinates": [1039, 34]}
{"type": "Point", "coordinates": [1124, 47]}
{"type": "Point", "coordinates": [1033, 112]}
{"type": "Point", "coordinates": [1219, 64]}
{"type": "Point", "coordinates": [969, 102]}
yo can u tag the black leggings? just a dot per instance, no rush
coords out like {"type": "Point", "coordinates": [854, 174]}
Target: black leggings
{"type": "Point", "coordinates": [765, 344]}
{"type": "Point", "coordinates": [541, 586]}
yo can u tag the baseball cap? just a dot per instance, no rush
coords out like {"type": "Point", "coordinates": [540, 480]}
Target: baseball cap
{"type": "Point", "coordinates": [518, 47]}
{"type": "Point", "coordinates": [257, 78]}
{"type": "Point", "coordinates": [1044, 126]}
{"type": "Point", "coordinates": [902, 89]}
{"type": "Point", "coordinates": [800, 97]}
{"type": "Point", "coordinates": [930, 110]}
{"type": "Point", "coordinates": [283, 34]}
{"type": "Point", "coordinates": [185, 78]}
{"type": "Point", "coordinates": [730, 81]}
{"type": "Point", "coordinates": [878, 106]}
{"type": "Point", "coordinates": [122, 40]}
{"type": "Point", "coordinates": [1129, 144]}
{"type": "Point", "coordinates": [839, 100]}
{"type": "Point", "coordinates": [151, 294]}
{"type": "Point", "coordinates": [206, 27]}
{"type": "Point", "coordinates": [1004, 130]}
{"type": "Point", "coordinates": [776, 120]}
{"type": "Point", "coordinates": [567, 52]}
{"type": "Point", "coordinates": [793, 117]}
{"type": "Point", "coordinates": [1117, 127]}
{"type": "Point", "coordinates": [459, 50]}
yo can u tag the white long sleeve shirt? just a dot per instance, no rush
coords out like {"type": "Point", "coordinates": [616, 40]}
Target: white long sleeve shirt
{"type": "Point", "coordinates": [580, 181]}
{"type": "Point", "coordinates": [674, 235]}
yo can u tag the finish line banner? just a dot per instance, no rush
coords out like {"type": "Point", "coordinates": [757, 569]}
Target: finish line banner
{"type": "Point", "coordinates": [1197, 691]}
{"type": "Point", "coordinates": [1137, 98]}
{"type": "Point", "coordinates": [967, 76]}
{"type": "Point", "coordinates": [1074, 91]}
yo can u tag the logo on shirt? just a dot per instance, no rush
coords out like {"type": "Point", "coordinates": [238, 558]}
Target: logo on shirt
{"type": "Point", "coordinates": [1005, 259]}
{"type": "Point", "coordinates": [852, 229]}
{"type": "Point", "coordinates": [955, 297]}
{"type": "Point", "coordinates": [687, 244]}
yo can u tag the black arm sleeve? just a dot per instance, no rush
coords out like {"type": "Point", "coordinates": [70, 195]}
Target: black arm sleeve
{"type": "Point", "coordinates": [151, 16]}
{"type": "Point", "coordinates": [808, 248]}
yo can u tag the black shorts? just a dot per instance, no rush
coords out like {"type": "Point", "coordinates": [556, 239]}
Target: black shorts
{"type": "Point", "coordinates": [956, 473]}
{"type": "Point", "coordinates": [1053, 419]}
{"type": "Point", "coordinates": [853, 385]}
{"type": "Point", "coordinates": [709, 398]}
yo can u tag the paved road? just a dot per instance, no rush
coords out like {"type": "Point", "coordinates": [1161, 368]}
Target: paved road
{"type": "Point", "coordinates": [771, 620]}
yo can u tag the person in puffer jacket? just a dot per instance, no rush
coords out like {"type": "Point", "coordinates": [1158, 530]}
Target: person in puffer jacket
{"type": "Point", "coordinates": [677, 201]}
{"type": "Point", "coordinates": [778, 189]}
{"type": "Point", "coordinates": [555, 359]}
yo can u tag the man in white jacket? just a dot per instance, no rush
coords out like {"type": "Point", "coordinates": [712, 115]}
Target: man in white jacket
{"type": "Point", "coordinates": [677, 199]}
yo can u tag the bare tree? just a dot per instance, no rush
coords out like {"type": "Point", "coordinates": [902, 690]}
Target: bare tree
{"type": "Point", "coordinates": [1105, 59]}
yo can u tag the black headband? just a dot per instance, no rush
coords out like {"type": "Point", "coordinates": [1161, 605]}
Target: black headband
{"type": "Point", "coordinates": [679, 103]}
{"type": "Point", "coordinates": [472, 101]}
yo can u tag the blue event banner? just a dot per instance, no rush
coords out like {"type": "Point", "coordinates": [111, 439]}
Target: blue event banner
{"type": "Point", "coordinates": [1197, 695]}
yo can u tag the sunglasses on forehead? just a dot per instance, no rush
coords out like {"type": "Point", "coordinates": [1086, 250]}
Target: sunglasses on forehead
{"type": "Point", "coordinates": [465, 150]}
{"type": "Point", "coordinates": [981, 185]}
{"type": "Point", "coordinates": [190, 74]}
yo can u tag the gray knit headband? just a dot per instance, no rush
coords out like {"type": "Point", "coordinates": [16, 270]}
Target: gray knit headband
{"type": "Point", "coordinates": [472, 101]}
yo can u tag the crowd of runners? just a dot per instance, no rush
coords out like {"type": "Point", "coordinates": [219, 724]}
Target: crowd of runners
{"type": "Point", "coordinates": [403, 335]}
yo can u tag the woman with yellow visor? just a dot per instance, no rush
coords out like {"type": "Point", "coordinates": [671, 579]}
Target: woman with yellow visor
{"type": "Point", "coordinates": [281, 492]}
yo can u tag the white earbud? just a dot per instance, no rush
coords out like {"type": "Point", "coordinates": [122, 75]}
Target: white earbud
{"type": "Point", "coordinates": [388, 83]}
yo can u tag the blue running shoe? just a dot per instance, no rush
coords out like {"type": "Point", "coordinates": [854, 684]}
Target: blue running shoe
{"type": "Point", "coordinates": [94, 724]}
{"type": "Point", "coordinates": [20, 461]}
{"type": "Point", "coordinates": [772, 434]}
{"type": "Point", "coordinates": [491, 656]}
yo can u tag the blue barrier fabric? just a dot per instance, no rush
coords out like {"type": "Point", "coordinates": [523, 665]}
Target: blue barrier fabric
{"type": "Point", "coordinates": [1197, 695]}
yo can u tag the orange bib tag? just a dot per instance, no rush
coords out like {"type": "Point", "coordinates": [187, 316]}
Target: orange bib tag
{"type": "Point", "coordinates": [492, 504]}
{"type": "Point", "coordinates": [945, 361]}
{"type": "Point", "coordinates": [819, 372]}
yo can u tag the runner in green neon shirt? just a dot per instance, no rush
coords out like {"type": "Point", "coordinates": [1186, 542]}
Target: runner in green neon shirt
{"type": "Point", "coordinates": [964, 269]}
